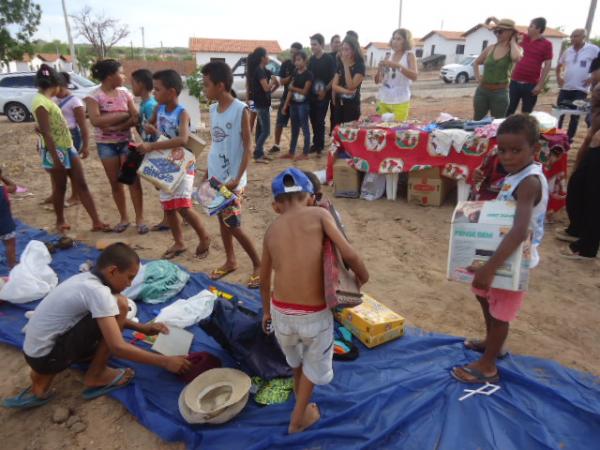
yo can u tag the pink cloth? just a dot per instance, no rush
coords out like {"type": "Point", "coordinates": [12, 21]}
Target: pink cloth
{"type": "Point", "coordinates": [109, 104]}
{"type": "Point", "coordinates": [504, 305]}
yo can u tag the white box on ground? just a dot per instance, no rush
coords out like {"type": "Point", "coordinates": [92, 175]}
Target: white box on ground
{"type": "Point", "coordinates": [476, 232]}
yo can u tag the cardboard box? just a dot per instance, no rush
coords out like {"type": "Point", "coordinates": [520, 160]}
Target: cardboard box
{"type": "Point", "coordinates": [370, 317]}
{"type": "Point", "coordinates": [476, 231]}
{"type": "Point", "coordinates": [195, 144]}
{"type": "Point", "coordinates": [428, 187]}
{"type": "Point", "coordinates": [372, 340]}
{"type": "Point", "coordinates": [346, 180]}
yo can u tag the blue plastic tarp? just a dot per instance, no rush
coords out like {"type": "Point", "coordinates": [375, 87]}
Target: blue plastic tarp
{"type": "Point", "coordinates": [398, 395]}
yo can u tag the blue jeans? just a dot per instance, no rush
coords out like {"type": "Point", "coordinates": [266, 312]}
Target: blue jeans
{"type": "Point", "coordinates": [299, 117]}
{"type": "Point", "coordinates": [520, 92]}
{"type": "Point", "coordinates": [264, 123]}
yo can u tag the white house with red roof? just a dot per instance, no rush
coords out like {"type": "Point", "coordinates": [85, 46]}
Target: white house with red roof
{"type": "Point", "coordinates": [378, 51]}
{"type": "Point", "coordinates": [230, 51]}
{"type": "Point", "coordinates": [441, 42]}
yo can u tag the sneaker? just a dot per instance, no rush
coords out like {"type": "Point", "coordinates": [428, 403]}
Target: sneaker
{"type": "Point", "coordinates": [274, 149]}
{"type": "Point", "coordinates": [562, 235]}
{"type": "Point", "coordinates": [262, 160]}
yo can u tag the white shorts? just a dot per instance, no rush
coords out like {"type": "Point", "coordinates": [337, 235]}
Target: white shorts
{"type": "Point", "coordinates": [307, 340]}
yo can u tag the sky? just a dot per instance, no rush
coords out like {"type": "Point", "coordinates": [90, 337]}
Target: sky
{"type": "Point", "coordinates": [173, 22]}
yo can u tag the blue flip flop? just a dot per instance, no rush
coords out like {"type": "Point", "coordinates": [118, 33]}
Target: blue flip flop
{"type": "Point", "coordinates": [25, 400]}
{"type": "Point", "coordinates": [92, 393]}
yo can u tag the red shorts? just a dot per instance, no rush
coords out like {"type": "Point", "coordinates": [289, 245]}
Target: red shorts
{"type": "Point", "coordinates": [504, 305]}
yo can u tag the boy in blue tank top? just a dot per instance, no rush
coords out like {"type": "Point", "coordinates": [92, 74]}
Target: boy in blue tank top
{"type": "Point", "coordinates": [227, 161]}
{"type": "Point", "coordinates": [172, 121]}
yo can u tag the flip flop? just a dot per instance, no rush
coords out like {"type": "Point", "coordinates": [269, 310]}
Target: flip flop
{"type": "Point", "coordinates": [219, 273]}
{"type": "Point", "coordinates": [479, 377]}
{"type": "Point", "coordinates": [254, 282]}
{"type": "Point", "coordinates": [92, 393]}
{"type": "Point", "coordinates": [105, 228]}
{"type": "Point", "coordinates": [477, 346]}
{"type": "Point", "coordinates": [160, 227]}
{"type": "Point", "coordinates": [25, 400]}
{"type": "Point", "coordinates": [120, 227]}
{"type": "Point", "coordinates": [143, 229]}
{"type": "Point", "coordinates": [170, 254]}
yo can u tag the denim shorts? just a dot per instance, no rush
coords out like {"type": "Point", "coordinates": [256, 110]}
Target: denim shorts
{"type": "Point", "coordinates": [76, 136]}
{"type": "Point", "coordinates": [112, 150]}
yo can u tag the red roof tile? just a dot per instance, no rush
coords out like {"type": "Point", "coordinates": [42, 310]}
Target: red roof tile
{"type": "Point", "coordinates": [449, 35]}
{"type": "Point", "coordinates": [232, 45]}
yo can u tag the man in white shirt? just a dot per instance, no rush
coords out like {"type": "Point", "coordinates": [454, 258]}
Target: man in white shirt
{"type": "Point", "coordinates": [572, 74]}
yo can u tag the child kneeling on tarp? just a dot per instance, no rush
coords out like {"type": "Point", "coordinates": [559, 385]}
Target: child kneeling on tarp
{"type": "Point", "coordinates": [303, 325]}
{"type": "Point", "coordinates": [525, 183]}
{"type": "Point", "coordinates": [83, 319]}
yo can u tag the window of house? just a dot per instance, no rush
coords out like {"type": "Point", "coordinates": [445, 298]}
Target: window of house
{"type": "Point", "coordinates": [419, 53]}
{"type": "Point", "coordinates": [484, 44]}
{"type": "Point", "coordinates": [217, 59]}
{"type": "Point", "coordinates": [433, 49]}
{"type": "Point", "coordinates": [460, 49]}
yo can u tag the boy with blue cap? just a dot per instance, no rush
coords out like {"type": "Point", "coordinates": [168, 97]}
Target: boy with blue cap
{"type": "Point", "coordinates": [303, 325]}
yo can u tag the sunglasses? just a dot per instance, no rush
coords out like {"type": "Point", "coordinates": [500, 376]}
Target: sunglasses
{"type": "Point", "coordinates": [500, 31]}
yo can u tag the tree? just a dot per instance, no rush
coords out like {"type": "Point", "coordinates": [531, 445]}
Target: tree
{"type": "Point", "coordinates": [22, 16]}
{"type": "Point", "coordinates": [195, 84]}
{"type": "Point", "coordinates": [100, 31]}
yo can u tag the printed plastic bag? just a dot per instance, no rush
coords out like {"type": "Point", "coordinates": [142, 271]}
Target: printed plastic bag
{"type": "Point", "coordinates": [185, 313]}
{"type": "Point", "coordinates": [373, 186]}
{"type": "Point", "coordinates": [31, 279]}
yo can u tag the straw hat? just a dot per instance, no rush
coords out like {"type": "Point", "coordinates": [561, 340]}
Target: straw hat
{"type": "Point", "coordinates": [505, 24]}
{"type": "Point", "coordinates": [215, 396]}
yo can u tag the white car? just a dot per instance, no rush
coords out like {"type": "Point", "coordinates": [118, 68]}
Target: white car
{"type": "Point", "coordinates": [239, 77]}
{"type": "Point", "coordinates": [18, 89]}
{"type": "Point", "coordinates": [460, 72]}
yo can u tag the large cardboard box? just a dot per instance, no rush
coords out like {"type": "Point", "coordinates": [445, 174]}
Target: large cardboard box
{"type": "Point", "coordinates": [370, 317]}
{"type": "Point", "coordinates": [372, 340]}
{"type": "Point", "coordinates": [346, 180]}
{"type": "Point", "coordinates": [428, 187]}
{"type": "Point", "coordinates": [476, 231]}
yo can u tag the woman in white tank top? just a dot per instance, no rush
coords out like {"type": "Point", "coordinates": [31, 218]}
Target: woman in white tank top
{"type": "Point", "coordinates": [395, 74]}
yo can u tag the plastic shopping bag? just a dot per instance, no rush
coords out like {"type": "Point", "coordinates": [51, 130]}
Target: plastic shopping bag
{"type": "Point", "coordinates": [373, 186]}
{"type": "Point", "coordinates": [31, 279]}
{"type": "Point", "coordinates": [185, 313]}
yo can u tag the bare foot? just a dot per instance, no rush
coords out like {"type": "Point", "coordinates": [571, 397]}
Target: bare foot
{"type": "Point", "coordinates": [311, 416]}
{"type": "Point", "coordinates": [107, 375]}
{"type": "Point", "coordinates": [301, 158]}
{"type": "Point", "coordinates": [73, 201]}
{"type": "Point", "coordinates": [47, 201]}
{"type": "Point", "coordinates": [62, 228]}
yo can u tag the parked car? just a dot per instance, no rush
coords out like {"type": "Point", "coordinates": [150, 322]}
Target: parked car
{"type": "Point", "coordinates": [460, 72]}
{"type": "Point", "coordinates": [18, 89]}
{"type": "Point", "coordinates": [239, 77]}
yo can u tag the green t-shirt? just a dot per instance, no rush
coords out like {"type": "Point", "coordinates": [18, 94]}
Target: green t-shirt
{"type": "Point", "coordinates": [58, 124]}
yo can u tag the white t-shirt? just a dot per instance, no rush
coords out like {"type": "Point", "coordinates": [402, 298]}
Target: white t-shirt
{"type": "Point", "coordinates": [63, 307]}
{"type": "Point", "coordinates": [395, 86]}
{"type": "Point", "coordinates": [68, 105]}
{"type": "Point", "coordinates": [577, 66]}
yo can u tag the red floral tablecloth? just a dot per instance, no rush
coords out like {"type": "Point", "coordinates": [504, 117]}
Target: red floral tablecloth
{"type": "Point", "coordinates": [386, 151]}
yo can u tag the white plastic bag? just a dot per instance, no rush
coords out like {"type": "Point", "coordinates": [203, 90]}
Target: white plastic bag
{"type": "Point", "coordinates": [546, 121]}
{"type": "Point", "coordinates": [31, 279]}
{"type": "Point", "coordinates": [133, 292]}
{"type": "Point", "coordinates": [185, 313]}
{"type": "Point", "coordinates": [373, 186]}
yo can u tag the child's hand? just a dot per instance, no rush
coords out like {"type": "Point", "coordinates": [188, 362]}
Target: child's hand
{"type": "Point", "coordinates": [150, 129]}
{"type": "Point", "coordinates": [266, 323]}
{"type": "Point", "coordinates": [178, 364]}
{"type": "Point", "coordinates": [85, 152]}
{"type": "Point", "coordinates": [144, 148]}
{"type": "Point", "coordinates": [57, 163]}
{"type": "Point", "coordinates": [152, 329]}
{"type": "Point", "coordinates": [232, 185]}
{"type": "Point", "coordinates": [483, 278]}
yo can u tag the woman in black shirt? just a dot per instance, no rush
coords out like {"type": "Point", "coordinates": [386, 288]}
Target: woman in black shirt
{"type": "Point", "coordinates": [346, 83]}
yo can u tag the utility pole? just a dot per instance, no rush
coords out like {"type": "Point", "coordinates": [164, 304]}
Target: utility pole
{"type": "Point", "coordinates": [131, 43]}
{"type": "Point", "coordinates": [70, 38]}
{"type": "Point", "coordinates": [590, 18]}
{"type": "Point", "coordinates": [143, 45]}
{"type": "Point", "coordinates": [400, 15]}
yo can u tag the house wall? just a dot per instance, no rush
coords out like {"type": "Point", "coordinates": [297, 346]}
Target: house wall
{"type": "Point", "coordinates": [230, 58]}
{"type": "Point", "coordinates": [442, 47]}
{"type": "Point", "coordinates": [375, 55]}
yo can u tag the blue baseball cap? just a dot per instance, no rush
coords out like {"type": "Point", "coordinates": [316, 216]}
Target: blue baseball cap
{"type": "Point", "coordinates": [300, 182]}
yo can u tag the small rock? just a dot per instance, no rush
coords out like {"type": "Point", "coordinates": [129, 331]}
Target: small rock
{"type": "Point", "coordinates": [73, 420]}
{"type": "Point", "coordinates": [78, 427]}
{"type": "Point", "coordinates": [60, 414]}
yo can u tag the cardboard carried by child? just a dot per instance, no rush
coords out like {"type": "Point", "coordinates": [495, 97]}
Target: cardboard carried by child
{"type": "Point", "coordinates": [476, 232]}
{"type": "Point", "coordinates": [166, 168]}
{"type": "Point", "coordinates": [371, 322]}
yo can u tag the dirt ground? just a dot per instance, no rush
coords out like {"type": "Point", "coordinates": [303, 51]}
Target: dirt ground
{"type": "Point", "coordinates": [404, 246]}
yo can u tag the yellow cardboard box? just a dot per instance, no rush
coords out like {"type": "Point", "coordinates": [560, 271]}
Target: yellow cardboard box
{"type": "Point", "coordinates": [346, 180]}
{"type": "Point", "coordinates": [428, 187]}
{"type": "Point", "coordinates": [370, 317]}
{"type": "Point", "coordinates": [372, 340]}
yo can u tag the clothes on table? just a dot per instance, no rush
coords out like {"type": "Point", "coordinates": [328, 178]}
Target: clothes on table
{"type": "Point", "coordinates": [442, 141]}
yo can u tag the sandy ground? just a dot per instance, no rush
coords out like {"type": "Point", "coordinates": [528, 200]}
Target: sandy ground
{"type": "Point", "coordinates": [404, 246]}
